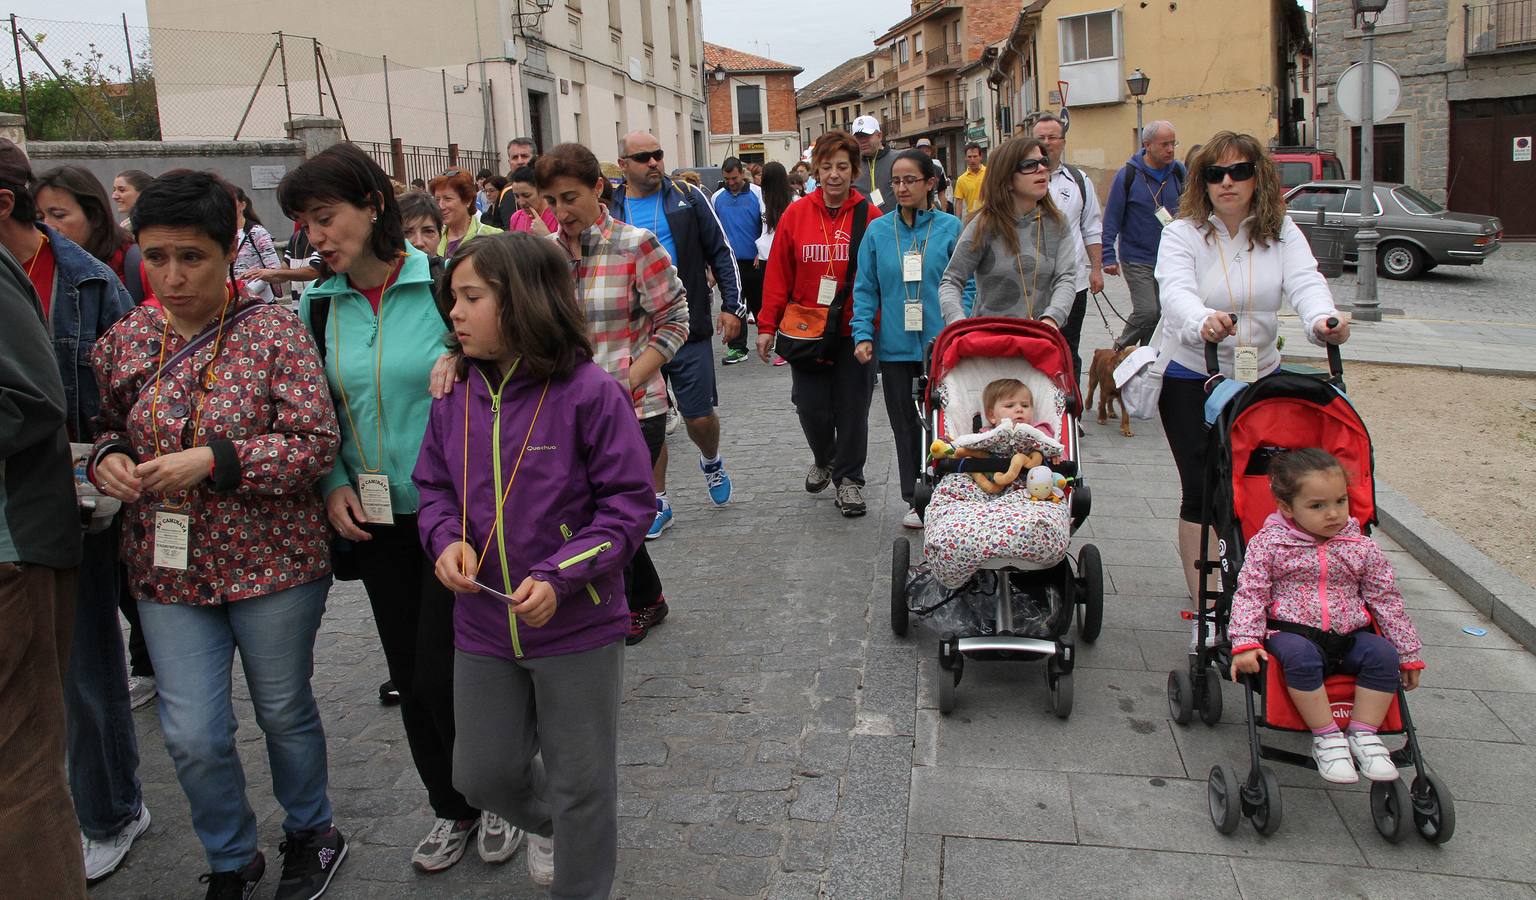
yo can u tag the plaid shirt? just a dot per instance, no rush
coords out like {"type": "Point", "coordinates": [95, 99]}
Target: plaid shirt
{"type": "Point", "coordinates": [633, 300]}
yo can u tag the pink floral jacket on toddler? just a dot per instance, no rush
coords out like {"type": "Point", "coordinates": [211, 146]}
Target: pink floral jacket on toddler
{"type": "Point", "coordinates": [1291, 576]}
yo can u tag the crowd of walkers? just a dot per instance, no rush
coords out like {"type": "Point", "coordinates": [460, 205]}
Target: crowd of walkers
{"type": "Point", "coordinates": [467, 410]}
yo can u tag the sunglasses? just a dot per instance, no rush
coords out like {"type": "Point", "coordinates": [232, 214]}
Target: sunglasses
{"type": "Point", "coordinates": [647, 156]}
{"type": "Point", "coordinates": [1030, 165]}
{"type": "Point", "coordinates": [1239, 171]}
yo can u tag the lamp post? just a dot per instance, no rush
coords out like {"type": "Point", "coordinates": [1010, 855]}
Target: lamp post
{"type": "Point", "coordinates": [1137, 83]}
{"type": "Point", "coordinates": [1367, 304]}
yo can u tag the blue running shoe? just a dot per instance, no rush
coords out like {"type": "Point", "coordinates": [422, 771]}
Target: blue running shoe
{"type": "Point", "coordinates": [663, 519]}
{"type": "Point", "coordinates": [719, 482]}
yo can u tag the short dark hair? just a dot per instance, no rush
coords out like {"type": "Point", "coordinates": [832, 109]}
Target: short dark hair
{"type": "Point", "coordinates": [541, 319]}
{"type": "Point", "coordinates": [419, 183]}
{"type": "Point", "coordinates": [249, 208]}
{"type": "Point", "coordinates": [417, 205]}
{"type": "Point", "coordinates": [568, 161]}
{"type": "Point", "coordinates": [1049, 117]}
{"type": "Point", "coordinates": [106, 236]}
{"type": "Point", "coordinates": [1288, 469]}
{"type": "Point", "coordinates": [525, 175]}
{"type": "Point", "coordinates": [977, 147]}
{"type": "Point", "coordinates": [731, 164]}
{"type": "Point", "coordinates": [496, 181]}
{"type": "Point", "coordinates": [522, 142]}
{"type": "Point", "coordinates": [482, 174]}
{"type": "Point", "coordinates": [184, 198]}
{"type": "Point", "coordinates": [837, 141]}
{"type": "Point", "coordinates": [343, 173]}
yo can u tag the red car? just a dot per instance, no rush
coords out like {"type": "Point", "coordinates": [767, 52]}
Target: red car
{"type": "Point", "coordinates": [1298, 165]}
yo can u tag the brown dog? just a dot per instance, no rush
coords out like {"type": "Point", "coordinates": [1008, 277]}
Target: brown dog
{"type": "Point", "coordinates": [1101, 376]}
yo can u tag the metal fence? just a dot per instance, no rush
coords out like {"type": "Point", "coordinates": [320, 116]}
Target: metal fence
{"type": "Point", "coordinates": [408, 161]}
{"type": "Point", "coordinates": [88, 81]}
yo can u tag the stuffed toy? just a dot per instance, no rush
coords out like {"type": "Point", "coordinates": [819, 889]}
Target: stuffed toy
{"type": "Point", "coordinates": [991, 482]}
{"type": "Point", "coordinates": [1024, 446]}
{"type": "Point", "coordinates": [1045, 485]}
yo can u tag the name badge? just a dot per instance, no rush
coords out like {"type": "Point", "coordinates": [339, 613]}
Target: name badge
{"type": "Point", "coordinates": [827, 292]}
{"type": "Point", "coordinates": [1163, 216]}
{"type": "Point", "coordinates": [876, 197]}
{"type": "Point", "coordinates": [912, 266]}
{"type": "Point", "coordinates": [914, 316]}
{"type": "Point", "coordinates": [172, 531]}
{"type": "Point", "coordinates": [373, 491]}
{"type": "Point", "coordinates": [1245, 363]}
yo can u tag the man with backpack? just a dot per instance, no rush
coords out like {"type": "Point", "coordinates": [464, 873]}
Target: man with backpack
{"type": "Point", "coordinates": [1143, 198]}
{"type": "Point", "coordinates": [1075, 196]}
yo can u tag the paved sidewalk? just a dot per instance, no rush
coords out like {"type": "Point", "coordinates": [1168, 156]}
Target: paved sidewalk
{"type": "Point", "coordinates": [778, 741]}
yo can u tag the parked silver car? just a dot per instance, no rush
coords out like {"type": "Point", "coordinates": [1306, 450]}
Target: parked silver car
{"type": "Point", "coordinates": [1417, 233]}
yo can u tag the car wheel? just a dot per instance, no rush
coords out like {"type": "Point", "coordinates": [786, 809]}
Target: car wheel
{"type": "Point", "coordinates": [1399, 261]}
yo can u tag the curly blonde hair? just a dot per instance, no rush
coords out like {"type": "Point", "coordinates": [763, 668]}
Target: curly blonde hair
{"type": "Point", "coordinates": [1268, 207]}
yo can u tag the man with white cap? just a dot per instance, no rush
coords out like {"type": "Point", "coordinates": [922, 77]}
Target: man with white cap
{"type": "Point", "coordinates": [875, 163]}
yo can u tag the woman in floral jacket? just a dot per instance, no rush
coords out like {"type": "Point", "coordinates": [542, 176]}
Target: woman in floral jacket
{"type": "Point", "coordinates": [215, 424]}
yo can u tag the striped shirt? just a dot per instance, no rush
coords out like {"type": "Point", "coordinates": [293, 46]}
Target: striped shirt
{"type": "Point", "coordinates": [633, 301]}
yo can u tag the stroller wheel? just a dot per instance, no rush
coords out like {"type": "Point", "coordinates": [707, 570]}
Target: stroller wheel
{"type": "Point", "coordinates": [1210, 696]}
{"type": "Point", "coordinates": [1265, 810]}
{"type": "Point", "coordinates": [1181, 696]}
{"type": "Point", "coordinates": [1090, 568]}
{"type": "Point", "coordinates": [901, 557]}
{"type": "Point", "coordinates": [1434, 809]}
{"type": "Point", "coordinates": [1222, 791]}
{"type": "Point", "coordinates": [1061, 694]}
{"type": "Point", "coordinates": [945, 682]}
{"type": "Point", "coordinates": [1390, 806]}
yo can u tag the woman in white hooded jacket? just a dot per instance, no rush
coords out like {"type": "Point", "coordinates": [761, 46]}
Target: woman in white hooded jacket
{"type": "Point", "coordinates": [1224, 268]}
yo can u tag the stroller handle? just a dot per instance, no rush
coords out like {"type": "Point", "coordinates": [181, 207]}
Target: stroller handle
{"type": "Point", "coordinates": [1212, 361]}
{"type": "Point", "coordinates": [1335, 361]}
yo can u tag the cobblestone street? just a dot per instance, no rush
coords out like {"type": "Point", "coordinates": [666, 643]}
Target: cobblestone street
{"type": "Point", "coordinates": [778, 741]}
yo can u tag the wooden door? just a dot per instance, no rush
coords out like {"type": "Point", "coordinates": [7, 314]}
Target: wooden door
{"type": "Point", "coordinates": [1485, 176]}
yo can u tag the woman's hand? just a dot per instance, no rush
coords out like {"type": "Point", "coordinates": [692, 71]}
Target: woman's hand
{"type": "Point", "coordinates": [534, 602]}
{"type": "Point", "coordinates": [1332, 334]}
{"type": "Point", "coordinates": [115, 477]}
{"type": "Point", "coordinates": [764, 347]}
{"type": "Point", "coordinates": [1051, 322]}
{"type": "Point", "coordinates": [270, 276]}
{"type": "Point", "coordinates": [1216, 327]}
{"type": "Point", "coordinates": [445, 374]}
{"type": "Point", "coordinates": [345, 511]}
{"type": "Point", "coordinates": [1411, 678]}
{"type": "Point", "coordinates": [175, 472]}
{"type": "Point", "coordinates": [1247, 662]}
{"type": "Point", "coordinates": [537, 225]}
{"type": "Point", "coordinates": [864, 352]}
{"type": "Point", "coordinates": [457, 567]}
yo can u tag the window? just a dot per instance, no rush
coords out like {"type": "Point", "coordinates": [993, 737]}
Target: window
{"type": "Point", "coordinates": [1086, 38]}
{"type": "Point", "coordinates": [614, 15]}
{"type": "Point", "coordinates": [645, 24]}
{"type": "Point", "coordinates": [902, 55]}
{"type": "Point", "coordinates": [1294, 173]}
{"type": "Point", "coordinates": [919, 94]}
{"type": "Point", "coordinates": [906, 103]}
{"type": "Point", "coordinates": [1329, 200]}
{"type": "Point", "coordinates": [1396, 13]}
{"type": "Point", "coordinates": [869, 69]}
{"type": "Point", "coordinates": [672, 35]}
{"type": "Point", "coordinates": [575, 23]}
{"type": "Point", "coordinates": [1415, 203]}
{"type": "Point", "coordinates": [749, 109]}
{"type": "Point", "coordinates": [650, 63]}
{"type": "Point", "coordinates": [617, 46]}
{"type": "Point", "coordinates": [917, 43]}
{"type": "Point", "coordinates": [574, 4]}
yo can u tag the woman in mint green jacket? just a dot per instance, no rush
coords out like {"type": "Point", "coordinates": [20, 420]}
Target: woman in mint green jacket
{"type": "Point", "coordinates": [379, 333]}
{"type": "Point", "coordinates": [896, 302]}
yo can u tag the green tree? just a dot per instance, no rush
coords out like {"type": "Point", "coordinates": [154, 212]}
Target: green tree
{"type": "Point", "coordinates": [123, 105]}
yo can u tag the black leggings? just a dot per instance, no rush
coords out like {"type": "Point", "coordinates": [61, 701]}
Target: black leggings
{"type": "Point", "coordinates": [1181, 406]}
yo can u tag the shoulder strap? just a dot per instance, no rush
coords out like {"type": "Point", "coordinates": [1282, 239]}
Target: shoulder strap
{"type": "Point", "coordinates": [133, 273]}
{"type": "Point", "coordinates": [1082, 190]}
{"type": "Point", "coordinates": [319, 311]}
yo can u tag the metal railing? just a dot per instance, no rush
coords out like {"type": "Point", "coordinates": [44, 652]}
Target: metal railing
{"type": "Point", "coordinates": [406, 162]}
{"type": "Point", "coordinates": [946, 114]}
{"type": "Point", "coordinates": [888, 80]}
{"type": "Point", "coordinates": [1507, 26]}
{"type": "Point", "coordinates": [944, 56]}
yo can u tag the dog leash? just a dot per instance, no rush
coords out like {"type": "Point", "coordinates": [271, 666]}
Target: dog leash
{"type": "Point", "coordinates": [1096, 295]}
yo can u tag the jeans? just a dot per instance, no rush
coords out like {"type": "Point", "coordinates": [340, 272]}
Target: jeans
{"type": "Point", "coordinates": [833, 407]}
{"type": "Point", "coordinates": [194, 650]}
{"type": "Point", "coordinates": [103, 745]}
{"type": "Point", "coordinates": [1372, 660]}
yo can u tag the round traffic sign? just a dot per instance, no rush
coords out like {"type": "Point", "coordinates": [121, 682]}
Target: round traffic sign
{"type": "Point", "coordinates": [1387, 92]}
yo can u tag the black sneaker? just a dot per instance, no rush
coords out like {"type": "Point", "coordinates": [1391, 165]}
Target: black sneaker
{"type": "Point", "coordinates": [817, 478]}
{"type": "Point", "coordinates": [239, 884]}
{"type": "Point", "coordinates": [310, 861]}
{"type": "Point", "coordinates": [389, 695]}
{"type": "Point", "coordinates": [641, 621]}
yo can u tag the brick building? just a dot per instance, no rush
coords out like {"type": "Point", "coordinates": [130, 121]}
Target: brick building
{"type": "Point", "coordinates": [751, 102]}
{"type": "Point", "coordinates": [1469, 97]}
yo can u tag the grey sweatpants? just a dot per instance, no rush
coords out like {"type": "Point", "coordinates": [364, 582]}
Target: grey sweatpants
{"type": "Point", "coordinates": [1146, 306]}
{"type": "Point", "coordinates": [537, 744]}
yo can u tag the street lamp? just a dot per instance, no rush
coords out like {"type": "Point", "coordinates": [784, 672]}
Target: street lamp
{"type": "Point", "coordinates": [530, 19]}
{"type": "Point", "coordinates": [1367, 304]}
{"type": "Point", "coordinates": [1138, 84]}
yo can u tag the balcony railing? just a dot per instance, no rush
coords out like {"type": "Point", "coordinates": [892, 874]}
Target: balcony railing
{"type": "Point", "coordinates": [945, 114]}
{"type": "Point", "coordinates": [1508, 26]}
{"type": "Point", "coordinates": [944, 56]}
{"type": "Point", "coordinates": [889, 79]}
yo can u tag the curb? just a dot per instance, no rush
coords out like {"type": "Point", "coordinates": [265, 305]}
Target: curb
{"type": "Point", "coordinates": [1496, 593]}
{"type": "Point", "coordinates": [1302, 356]}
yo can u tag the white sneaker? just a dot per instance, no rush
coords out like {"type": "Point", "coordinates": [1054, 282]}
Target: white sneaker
{"type": "Point", "coordinates": [444, 845]}
{"type": "Point", "coordinates": [1371, 756]}
{"type": "Point", "coordinates": [912, 519]}
{"type": "Point", "coordinates": [103, 857]}
{"type": "Point", "coordinates": [541, 860]}
{"type": "Point", "coordinates": [674, 419]}
{"type": "Point", "coordinates": [1331, 751]}
{"type": "Point", "coordinates": [498, 838]}
{"type": "Point", "coordinates": [141, 690]}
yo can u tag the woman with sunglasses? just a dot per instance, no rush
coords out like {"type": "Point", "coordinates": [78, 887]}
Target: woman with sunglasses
{"type": "Point", "coordinates": [1019, 247]}
{"type": "Point", "coordinates": [1224, 267]}
{"type": "Point", "coordinates": [896, 302]}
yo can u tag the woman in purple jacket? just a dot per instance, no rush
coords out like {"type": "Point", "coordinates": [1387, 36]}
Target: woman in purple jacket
{"type": "Point", "coordinates": [535, 491]}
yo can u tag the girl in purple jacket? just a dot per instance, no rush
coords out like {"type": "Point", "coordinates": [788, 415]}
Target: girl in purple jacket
{"type": "Point", "coordinates": [535, 491]}
{"type": "Point", "coordinates": [1310, 586]}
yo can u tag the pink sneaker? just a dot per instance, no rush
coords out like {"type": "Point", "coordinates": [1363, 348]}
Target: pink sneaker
{"type": "Point", "coordinates": [780, 361]}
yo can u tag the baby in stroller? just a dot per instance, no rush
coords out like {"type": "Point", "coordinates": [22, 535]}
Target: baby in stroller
{"type": "Point", "coordinates": [1307, 594]}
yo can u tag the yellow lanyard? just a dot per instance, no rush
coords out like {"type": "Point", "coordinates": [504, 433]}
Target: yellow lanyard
{"type": "Point", "coordinates": [1018, 262]}
{"type": "Point", "coordinates": [920, 248]}
{"type": "Point", "coordinates": [201, 385]}
{"type": "Point", "coordinates": [501, 504]}
{"type": "Point", "coordinates": [1247, 313]}
{"type": "Point", "coordinates": [378, 390]}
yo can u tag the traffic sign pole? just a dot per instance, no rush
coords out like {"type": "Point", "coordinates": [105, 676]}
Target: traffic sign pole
{"type": "Point", "coordinates": [1367, 303]}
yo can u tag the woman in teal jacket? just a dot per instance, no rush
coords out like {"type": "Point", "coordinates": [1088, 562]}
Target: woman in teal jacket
{"type": "Point", "coordinates": [379, 331]}
{"type": "Point", "coordinates": [896, 302]}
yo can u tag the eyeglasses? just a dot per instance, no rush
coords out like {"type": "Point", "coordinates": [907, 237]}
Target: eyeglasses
{"type": "Point", "coordinates": [907, 181]}
{"type": "Point", "coordinates": [1028, 166]}
{"type": "Point", "coordinates": [1239, 171]}
{"type": "Point", "coordinates": [647, 156]}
